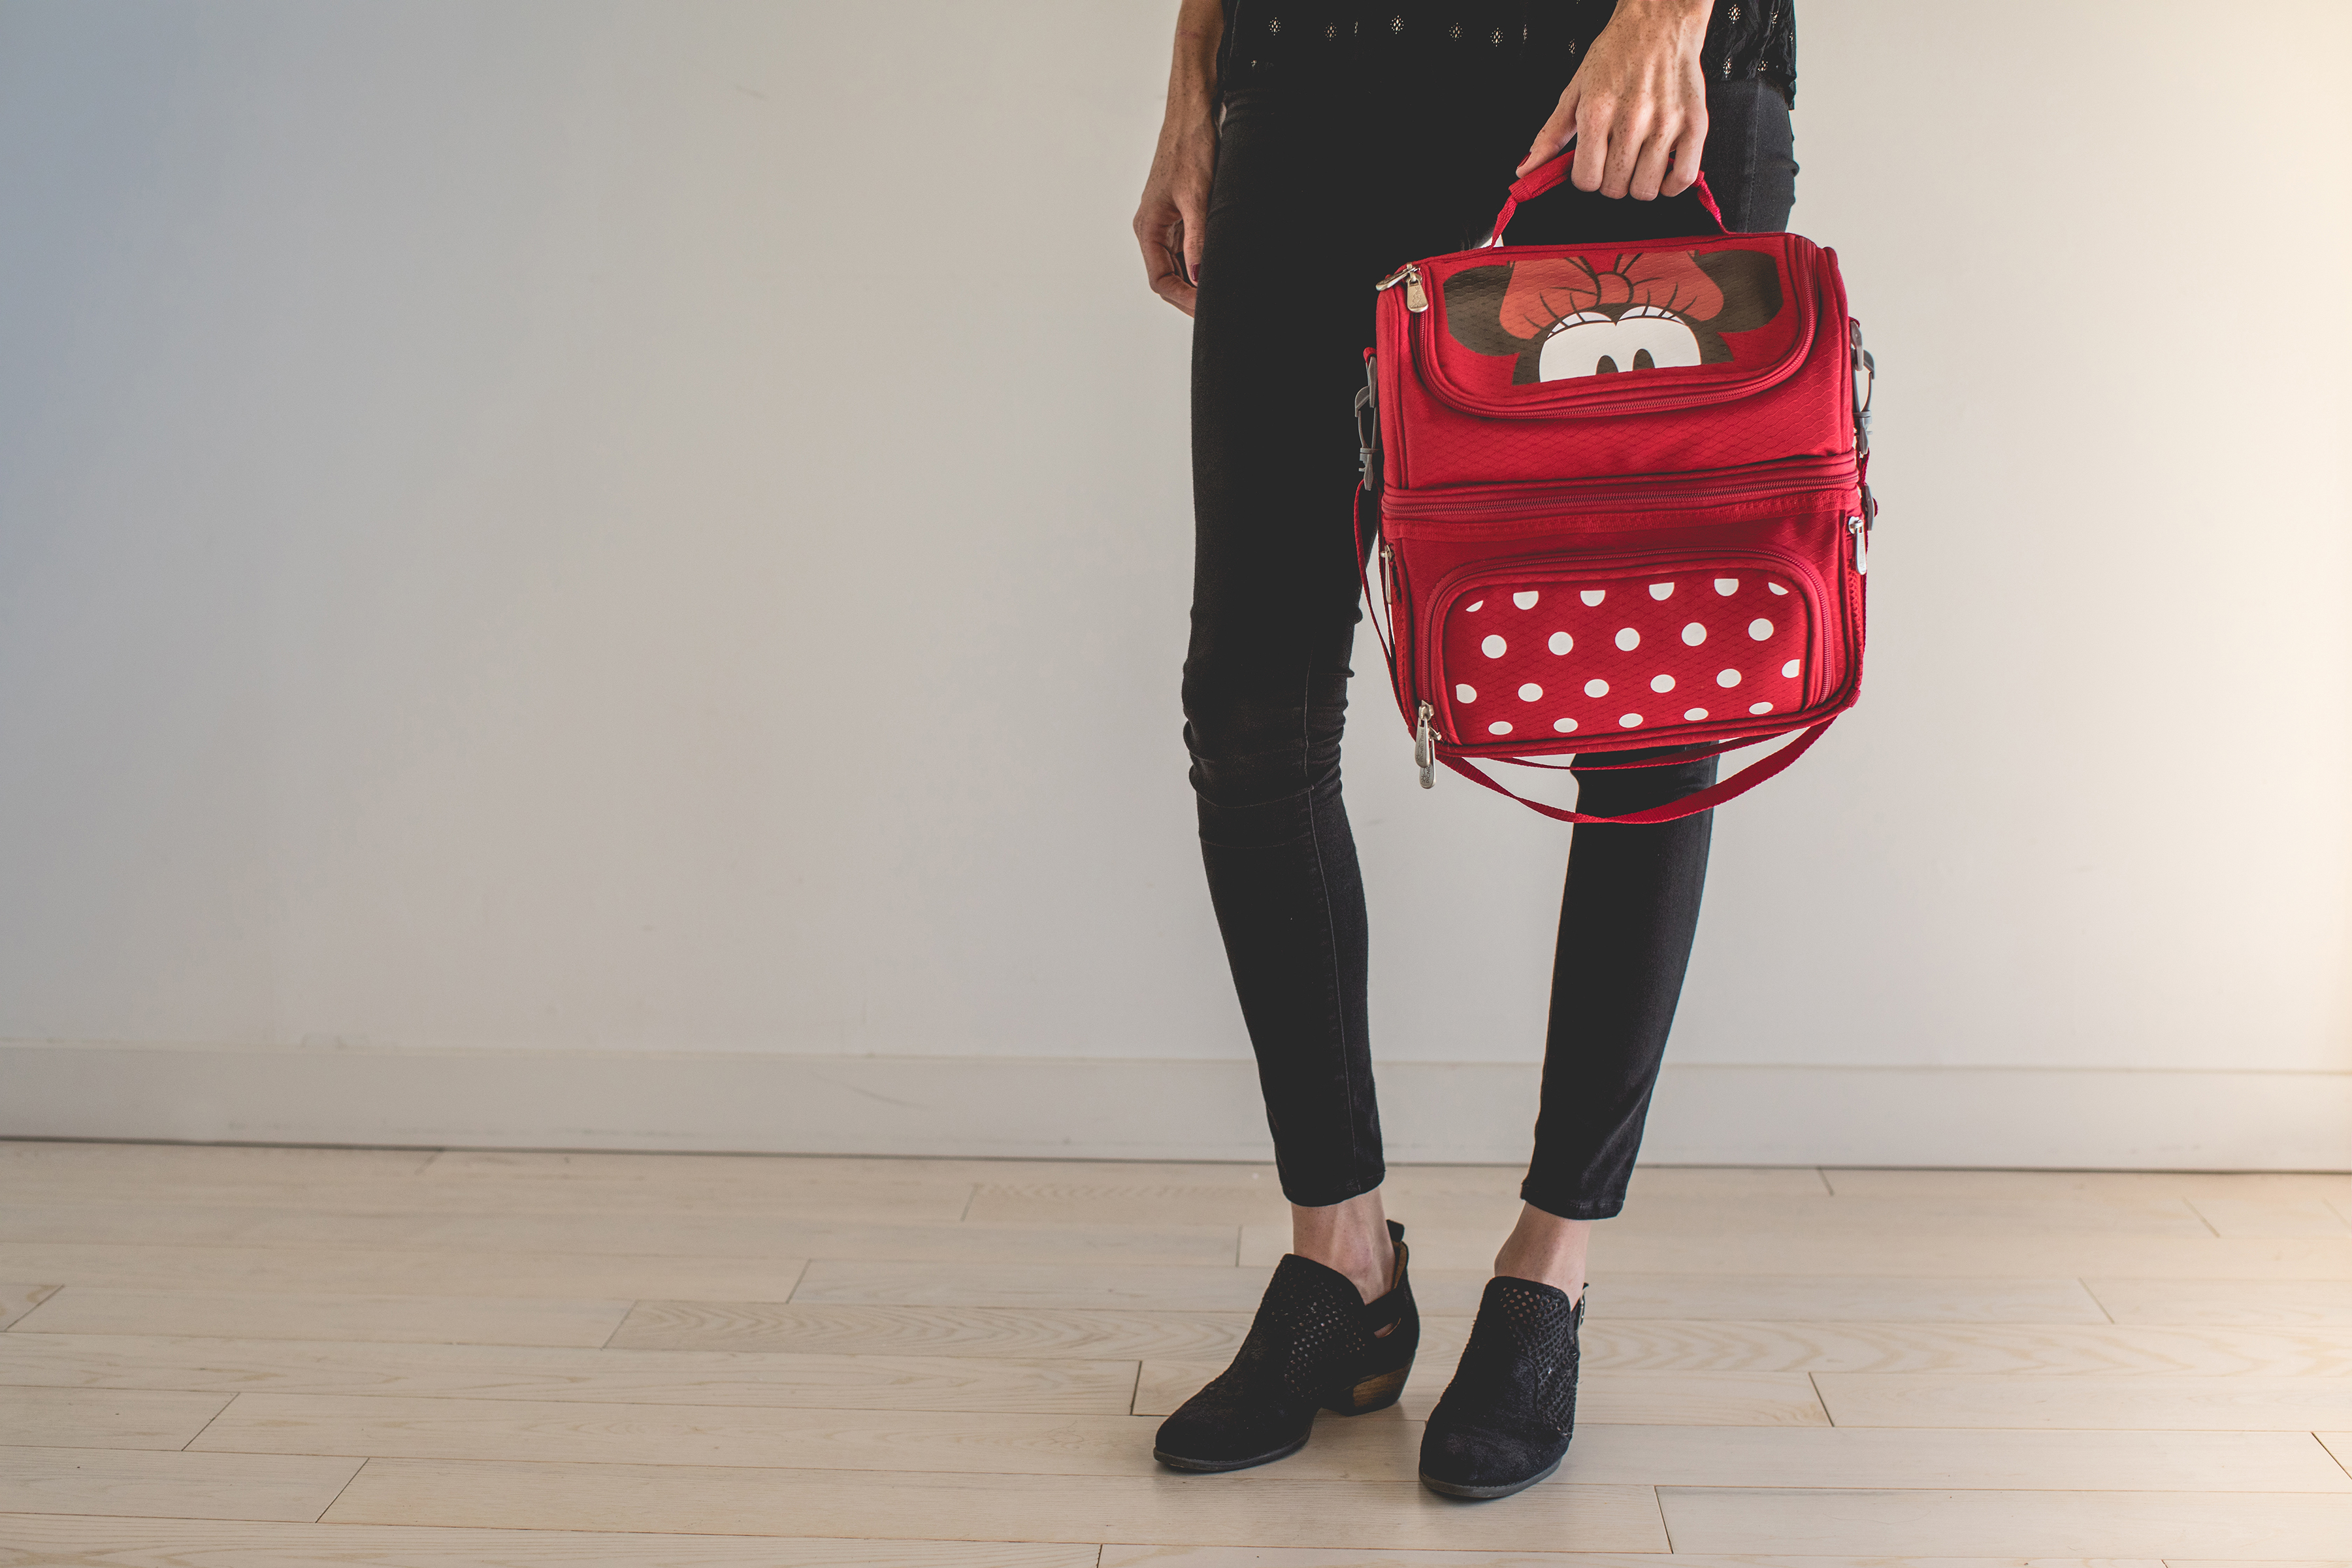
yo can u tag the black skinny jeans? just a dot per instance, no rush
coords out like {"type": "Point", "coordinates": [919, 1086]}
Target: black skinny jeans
{"type": "Point", "coordinates": [1319, 192]}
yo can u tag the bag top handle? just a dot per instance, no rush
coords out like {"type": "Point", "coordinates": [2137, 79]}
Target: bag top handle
{"type": "Point", "coordinates": [1547, 176]}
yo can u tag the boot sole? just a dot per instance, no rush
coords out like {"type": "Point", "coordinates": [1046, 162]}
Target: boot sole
{"type": "Point", "coordinates": [1214, 1467]}
{"type": "Point", "coordinates": [1484, 1494]}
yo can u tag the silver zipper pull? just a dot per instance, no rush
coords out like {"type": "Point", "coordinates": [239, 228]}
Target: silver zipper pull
{"type": "Point", "coordinates": [1424, 749]}
{"type": "Point", "coordinates": [1854, 526]}
{"type": "Point", "coordinates": [1416, 298]}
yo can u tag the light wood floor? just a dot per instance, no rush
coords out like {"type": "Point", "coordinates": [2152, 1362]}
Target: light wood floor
{"type": "Point", "coordinates": [271, 1358]}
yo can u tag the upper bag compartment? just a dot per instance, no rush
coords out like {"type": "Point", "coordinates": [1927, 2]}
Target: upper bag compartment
{"type": "Point", "coordinates": [1590, 331]}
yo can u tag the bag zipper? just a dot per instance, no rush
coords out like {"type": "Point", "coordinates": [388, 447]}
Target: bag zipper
{"type": "Point", "coordinates": [1634, 492]}
{"type": "Point", "coordinates": [1416, 298]}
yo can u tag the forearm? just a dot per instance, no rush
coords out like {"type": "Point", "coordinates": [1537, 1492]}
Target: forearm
{"type": "Point", "coordinates": [1176, 195]}
{"type": "Point", "coordinates": [1192, 75]}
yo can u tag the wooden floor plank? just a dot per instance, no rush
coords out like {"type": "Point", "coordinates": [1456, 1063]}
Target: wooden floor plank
{"type": "Point", "coordinates": [15, 1300]}
{"type": "Point", "coordinates": [930, 1330]}
{"type": "Point", "coordinates": [279, 1315]}
{"type": "Point", "coordinates": [819, 1381]}
{"type": "Point", "coordinates": [590, 1233]}
{"type": "Point", "coordinates": [831, 1201]}
{"type": "Point", "coordinates": [2272, 1216]}
{"type": "Point", "coordinates": [1673, 1345]}
{"type": "Point", "coordinates": [2161, 1300]}
{"type": "Point", "coordinates": [387, 1271]}
{"type": "Point", "coordinates": [1241, 1511]}
{"type": "Point", "coordinates": [1742, 1297]}
{"type": "Point", "coordinates": [102, 1417]}
{"type": "Point", "coordinates": [1124, 1556]}
{"type": "Point", "coordinates": [140, 1484]}
{"type": "Point", "coordinates": [2028, 1524]}
{"type": "Point", "coordinates": [1832, 1458]}
{"type": "Point", "coordinates": [909, 1442]}
{"type": "Point", "coordinates": [933, 1443]}
{"type": "Point", "coordinates": [1422, 1196]}
{"type": "Point", "coordinates": [1665, 1398]}
{"type": "Point", "coordinates": [504, 1166]}
{"type": "Point", "coordinates": [831, 1283]}
{"type": "Point", "coordinates": [1923, 1253]}
{"type": "Point", "coordinates": [2153, 1402]}
{"type": "Point", "coordinates": [28, 1540]}
{"type": "Point", "coordinates": [32, 1157]}
{"type": "Point", "coordinates": [2128, 1186]}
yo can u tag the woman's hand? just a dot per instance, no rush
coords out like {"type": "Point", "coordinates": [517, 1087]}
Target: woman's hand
{"type": "Point", "coordinates": [1637, 107]}
{"type": "Point", "coordinates": [1175, 211]}
{"type": "Point", "coordinates": [1174, 214]}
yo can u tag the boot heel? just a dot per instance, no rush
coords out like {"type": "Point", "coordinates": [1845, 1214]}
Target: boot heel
{"type": "Point", "coordinates": [1376, 1393]}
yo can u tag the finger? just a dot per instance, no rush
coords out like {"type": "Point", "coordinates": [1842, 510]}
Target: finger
{"type": "Point", "coordinates": [1626, 139]}
{"type": "Point", "coordinates": [1554, 135]}
{"type": "Point", "coordinates": [1688, 149]}
{"type": "Point", "coordinates": [1195, 231]}
{"type": "Point", "coordinates": [1592, 131]}
{"type": "Point", "coordinates": [1651, 168]}
{"type": "Point", "coordinates": [1157, 265]}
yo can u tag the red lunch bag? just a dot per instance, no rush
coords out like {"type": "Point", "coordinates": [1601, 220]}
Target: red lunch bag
{"type": "Point", "coordinates": [1621, 499]}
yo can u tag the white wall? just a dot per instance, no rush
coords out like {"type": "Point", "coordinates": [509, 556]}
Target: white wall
{"type": "Point", "coordinates": [663, 528]}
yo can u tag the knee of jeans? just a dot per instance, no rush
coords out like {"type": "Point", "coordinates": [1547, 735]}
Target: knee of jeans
{"type": "Point", "coordinates": [1254, 744]}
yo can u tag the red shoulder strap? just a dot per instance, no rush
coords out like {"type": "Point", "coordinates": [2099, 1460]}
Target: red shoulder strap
{"type": "Point", "coordinates": [1707, 799]}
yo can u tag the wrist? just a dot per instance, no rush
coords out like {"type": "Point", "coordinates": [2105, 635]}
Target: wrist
{"type": "Point", "coordinates": [1667, 13]}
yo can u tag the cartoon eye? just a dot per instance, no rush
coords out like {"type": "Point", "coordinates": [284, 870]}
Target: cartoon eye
{"type": "Point", "coordinates": [1590, 343]}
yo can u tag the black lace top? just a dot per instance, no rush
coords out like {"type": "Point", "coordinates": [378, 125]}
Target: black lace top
{"type": "Point", "coordinates": [1269, 41]}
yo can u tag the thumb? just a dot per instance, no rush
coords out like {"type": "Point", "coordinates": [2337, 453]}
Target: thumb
{"type": "Point", "coordinates": [1557, 132]}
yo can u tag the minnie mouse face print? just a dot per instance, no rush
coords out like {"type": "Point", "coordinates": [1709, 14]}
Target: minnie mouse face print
{"type": "Point", "coordinates": [1567, 317]}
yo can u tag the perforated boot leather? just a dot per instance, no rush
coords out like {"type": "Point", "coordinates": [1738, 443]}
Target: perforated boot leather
{"type": "Point", "coordinates": [1315, 1344]}
{"type": "Point", "coordinates": [1506, 1417]}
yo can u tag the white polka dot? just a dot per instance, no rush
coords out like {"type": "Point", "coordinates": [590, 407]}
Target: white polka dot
{"type": "Point", "coordinates": [1596, 688]}
{"type": "Point", "coordinates": [1629, 719]}
{"type": "Point", "coordinates": [1561, 642]}
{"type": "Point", "coordinates": [1694, 713]}
{"type": "Point", "coordinates": [1466, 694]}
{"type": "Point", "coordinates": [1628, 639]}
{"type": "Point", "coordinates": [1777, 589]}
{"type": "Point", "coordinates": [1659, 590]}
{"type": "Point", "coordinates": [1563, 725]}
{"type": "Point", "coordinates": [1474, 605]}
{"type": "Point", "coordinates": [1494, 647]}
{"type": "Point", "coordinates": [1694, 634]}
{"type": "Point", "coordinates": [1789, 670]}
{"type": "Point", "coordinates": [1530, 691]}
{"type": "Point", "coordinates": [1662, 683]}
{"type": "Point", "coordinates": [1498, 728]}
{"type": "Point", "coordinates": [1759, 708]}
{"type": "Point", "coordinates": [1726, 585]}
{"type": "Point", "coordinates": [1759, 628]}
{"type": "Point", "coordinates": [1726, 678]}
{"type": "Point", "coordinates": [1524, 601]}
{"type": "Point", "coordinates": [1593, 596]}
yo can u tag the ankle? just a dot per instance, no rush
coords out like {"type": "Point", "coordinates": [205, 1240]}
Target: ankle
{"type": "Point", "coordinates": [1547, 1249]}
{"type": "Point", "coordinates": [1351, 1238]}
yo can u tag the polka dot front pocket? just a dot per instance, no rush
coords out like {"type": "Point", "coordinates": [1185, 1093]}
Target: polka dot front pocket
{"type": "Point", "coordinates": [1531, 656]}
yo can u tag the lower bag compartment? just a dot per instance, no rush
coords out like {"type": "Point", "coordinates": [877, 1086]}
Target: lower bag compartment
{"type": "Point", "coordinates": [1548, 654]}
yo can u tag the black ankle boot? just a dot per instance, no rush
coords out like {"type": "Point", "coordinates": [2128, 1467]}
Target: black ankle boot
{"type": "Point", "coordinates": [1506, 1419]}
{"type": "Point", "coordinates": [1315, 1344]}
